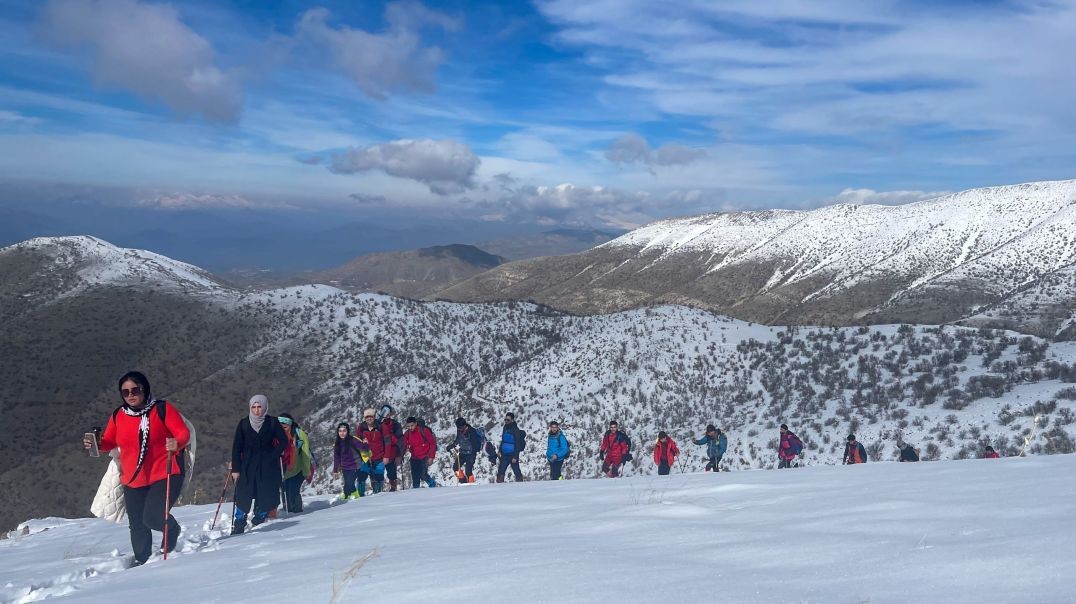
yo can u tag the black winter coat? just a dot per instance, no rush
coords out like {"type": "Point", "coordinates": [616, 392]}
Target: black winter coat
{"type": "Point", "coordinates": [467, 440]}
{"type": "Point", "coordinates": [256, 455]}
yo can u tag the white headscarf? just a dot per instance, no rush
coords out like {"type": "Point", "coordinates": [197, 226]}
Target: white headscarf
{"type": "Point", "coordinates": [257, 421]}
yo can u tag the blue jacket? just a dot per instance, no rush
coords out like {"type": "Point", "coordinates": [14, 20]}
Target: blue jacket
{"type": "Point", "coordinates": [557, 445]}
{"type": "Point", "coordinates": [715, 447]}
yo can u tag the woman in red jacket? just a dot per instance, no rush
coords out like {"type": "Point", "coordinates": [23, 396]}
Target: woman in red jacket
{"type": "Point", "coordinates": [148, 432]}
{"type": "Point", "coordinates": [665, 453]}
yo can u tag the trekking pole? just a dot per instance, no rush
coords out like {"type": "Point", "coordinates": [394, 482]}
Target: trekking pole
{"type": "Point", "coordinates": [223, 492]}
{"type": "Point", "coordinates": [167, 500]}
{"type": "Point", "coordinates": [283, 488]}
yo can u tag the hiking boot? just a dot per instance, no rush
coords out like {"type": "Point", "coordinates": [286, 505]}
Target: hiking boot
{"type": "Point", "coordinates": [239, 523]}
{"type": "Point", "coordinates": [470, 478]}
{"type": "Point", "coordinates": [392, 486]}
{"type": "Point", "coordinates": [259, 517]}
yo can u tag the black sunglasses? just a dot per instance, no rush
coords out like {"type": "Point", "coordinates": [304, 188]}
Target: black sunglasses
{"type": "Point", "coordinates": [136, 391]}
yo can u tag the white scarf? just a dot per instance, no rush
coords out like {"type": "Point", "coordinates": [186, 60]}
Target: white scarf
{"type": "Point", "coordinates": [143, 429]}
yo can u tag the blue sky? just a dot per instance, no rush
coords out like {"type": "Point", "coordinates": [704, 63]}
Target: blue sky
{"type": "Point", "coordinates": [559, 112]}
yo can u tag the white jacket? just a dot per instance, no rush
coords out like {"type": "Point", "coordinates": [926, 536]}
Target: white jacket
{"type": "Point", "coordinates": [108, 502]}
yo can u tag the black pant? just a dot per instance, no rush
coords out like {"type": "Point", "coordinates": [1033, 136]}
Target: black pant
{"type": "Point", "coordinates": [420, 474]}
{"type": "Point", "coordinates": [145, 513]}
{"type": "Point", "coordinates": [610, 468]}
{"type": "Point", "coordinates": [467, 462]}
{"type": "Point", "coordinates": [712, 465]}
{"type": "Point", "coordinates": [555, 468]}
{"type": "Point", "coordinates": [785, 463]}
{"type": "Point", "coordinates": [350, 476]}
{"type": "Point", "coordinates": [390, 468]}
{"type": "Point", "coordinates": [292, 495]}
{"type": "Point", "coordinates": [502, 468]}
{"type": "Point", "coordinates": [663, 469]}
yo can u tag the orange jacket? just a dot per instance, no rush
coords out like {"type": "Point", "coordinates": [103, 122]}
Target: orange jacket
{"type": "Point", "coordinates": [666, 452]}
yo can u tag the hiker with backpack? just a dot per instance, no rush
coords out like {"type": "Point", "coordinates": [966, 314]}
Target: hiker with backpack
{"type": "Point", "coordinates": [150, 435]}
{"type": "Point", "coordinates": [470, 442]}
{"type": "Point", "coordinates": [392, 439]}
{"type": "Point", "coordinates": [907, 452]}
{"type": "Point", "coordinates": [854, 452]}
{"type": "Point", "coordinates": [513, 442]}
{"type": "Point", "coordinates": [256, 449]}
{"type": "Point", "coordinates": [556, 451]}
{"type": "Point", "coordinates": [421, 443]}
{"type": "Point", "coordinates": [790, 447]}
{"type": "Point", "coordinates": [350, 457]}
{"type": "Point", "coordinates": [615, 450]}
{"type": "Point", "coordinates": [990, 453]}
{"type": "Point", "coordinates": [716, 444]}
{"type": "Point", "coordinates": [665, 453]}
{"type": "Point", "coordinates": [369, 432]}
{"type": "Point", "coordinates": [297, 467]}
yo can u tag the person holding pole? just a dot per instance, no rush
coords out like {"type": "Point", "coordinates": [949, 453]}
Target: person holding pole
{"type": "Point", "coordinates": [148, 433]}
{"type": "Point", "coordinates": [256, 449]}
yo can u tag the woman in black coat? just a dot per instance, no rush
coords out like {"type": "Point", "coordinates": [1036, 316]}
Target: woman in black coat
{"type": "Point", "coordinates": [259, 442]}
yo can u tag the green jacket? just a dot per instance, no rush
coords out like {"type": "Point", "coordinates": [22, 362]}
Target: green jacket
{"type": "Point", "coordinates": [302, 461]}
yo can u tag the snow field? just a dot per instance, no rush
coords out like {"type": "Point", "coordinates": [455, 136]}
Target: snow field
{"type": "Point", "coordinates": [953, 531]}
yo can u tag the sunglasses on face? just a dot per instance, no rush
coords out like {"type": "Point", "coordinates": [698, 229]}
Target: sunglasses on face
{"type": "Point", "coordinates": [136, 391]}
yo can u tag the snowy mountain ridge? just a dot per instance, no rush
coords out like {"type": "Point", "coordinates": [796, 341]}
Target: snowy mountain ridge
{"type": "Point", "coordinates": [96, 262]}
{"type": "Point", "coordinates": [943, 260]}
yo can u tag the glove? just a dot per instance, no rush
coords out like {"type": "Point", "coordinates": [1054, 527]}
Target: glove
{"type": "Point", "coordinates": [601, 455]}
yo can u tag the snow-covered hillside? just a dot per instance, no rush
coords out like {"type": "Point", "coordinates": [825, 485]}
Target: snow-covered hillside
{"type": "Point", "coordinates": [95, 262]}
{"type": "Point", "coordinates": [1013, 234]}
{"type": "Point", "coordinates": [935, 261]}
{"type": "Point", "coordinates": [957, 531]}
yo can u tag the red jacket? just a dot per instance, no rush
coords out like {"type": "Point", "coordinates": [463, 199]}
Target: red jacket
{"type": "Point", "coordinates": [391, 442]}
{"type": "Point", "coordinates": [666, 452]}
{"type": "Point", "coordinates": [122, 432]}
{"type": "Point", "coordinates": [613, 447]}
{"type": "Point", "coordinates": [993, 455]}
{"type": "Point", "coordinates": [421, 443]}
{"type": "Point", "coordinates": [374, 439]}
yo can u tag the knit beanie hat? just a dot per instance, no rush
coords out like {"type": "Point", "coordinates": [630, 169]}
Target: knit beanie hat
{"type": "Point", "coordinates": [460, 422]}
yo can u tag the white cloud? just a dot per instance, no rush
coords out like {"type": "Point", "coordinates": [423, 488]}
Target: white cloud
{"type": "Point", "coordinates": [380, 63]}
{"type": "Point", "coordinates": [633, 149]}
{"type": "Point", "coordinates": [446, 167]}
{"type": "Point", "coordinates": [148, 50]}
{"type": "Point", "coordinates": [186, 200]}
{"type": "Point", "coordinates": [889, 198]}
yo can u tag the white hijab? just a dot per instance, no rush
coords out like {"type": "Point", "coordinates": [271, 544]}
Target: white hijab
{"type": "Point", "coordinates": [255, 420]}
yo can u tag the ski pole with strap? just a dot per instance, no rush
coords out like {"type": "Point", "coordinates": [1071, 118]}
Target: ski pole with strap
{"type": "Point", "coordinates": [167, 500]}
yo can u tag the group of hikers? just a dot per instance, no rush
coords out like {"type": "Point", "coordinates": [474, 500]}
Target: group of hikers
{"type": "Point", "coordinates": [271, 458]}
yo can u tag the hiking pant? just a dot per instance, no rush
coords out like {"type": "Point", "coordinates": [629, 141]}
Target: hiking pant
{"type": "Point", "coordinates": [145, 513]}
{"type": "Point", "coordinates": [420, 473]}
{"type": "Point", "coordinates": [555, 468]}
{"type": "Point", "coordinates": [785, 463]}
{"type": "Point", "coordinates": [611, 467]}
{"type": "Point", "coordinates": [467, 462]}
{"type": "Point", "coordinates": [376, 474]}
{"type": "Point", "coordinates": [390, 469]}
{"type": "Point", "coordinates": [292, 496]}
{"type": "Point", "coordinates": [350, 477]}
{"type": "Point", "coordinates": [663, 468]}
{"type": "Point", "coordinates": [712, 465]}
{"type": "Point", "coordinates": [502, 467]}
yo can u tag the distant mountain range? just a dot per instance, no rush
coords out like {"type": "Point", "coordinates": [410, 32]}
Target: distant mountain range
{"type": "Point", "coordinates": [1001, 256]}
{"type": "Point", "coordinates": [411, 274]}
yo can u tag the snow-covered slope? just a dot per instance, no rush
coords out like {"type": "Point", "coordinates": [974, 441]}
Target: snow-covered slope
{"type": "Point", "coordinates": [959, 531]}
{"type": "Point", "coordinates": [938, 260]}
{"type": "Point", "coordinates": [82, 262]}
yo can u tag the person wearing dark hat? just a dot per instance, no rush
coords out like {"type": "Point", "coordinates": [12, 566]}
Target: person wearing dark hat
{"type": "Point", "coordinates": [907, 452]}
{"type": "Point", "coordinates": [665, 453]}
{"type": "Point", "coordinates": [716, 444]}
{"type": "Point", "coordinates": [789, 448]}
{"type": "Point", "coordinates": [556, 451]}
{"type": "Point", "coordinates": [256, 449]}
{"type": "Point", "coordinates": [149, 434]}
{"type": "Point", "coordinates": [513, 441]}
{"type": "Point", "coordinates": [470, 443]}
{"type": "Point", "coordinates": [990, 453]}
{"type": "Point", "coordinates": [854, 451]}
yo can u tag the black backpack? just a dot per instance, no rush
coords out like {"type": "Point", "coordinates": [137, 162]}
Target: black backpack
{"type": "Point", "coordinates": [522, 444]}
{"type": "Point", "coordinates": [624, 438]}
